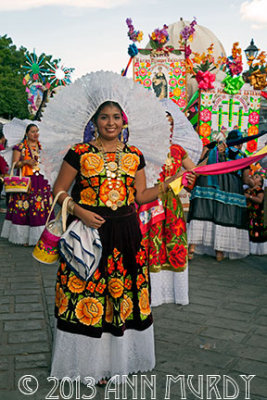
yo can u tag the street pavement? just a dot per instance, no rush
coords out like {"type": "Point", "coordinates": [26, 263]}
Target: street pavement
{"type": "Point", "coordinates": [220, 337]}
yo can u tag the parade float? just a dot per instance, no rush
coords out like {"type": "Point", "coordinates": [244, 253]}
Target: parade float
{"type": "Point", "coordinates": [187, 63]}
{"type": "Point", "coordinates": [41, 79]}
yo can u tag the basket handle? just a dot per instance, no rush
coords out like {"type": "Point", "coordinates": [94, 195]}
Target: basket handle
{"type": "Point", "coordinates": [64, 212]}
{"type": "Point", "coordinates": [12, 170]}
{"type": "Point", "coordinates": [53, 206]}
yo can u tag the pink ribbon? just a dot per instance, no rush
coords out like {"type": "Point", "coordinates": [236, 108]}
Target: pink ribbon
{"type": "Point", "coordinates": [224, 167]}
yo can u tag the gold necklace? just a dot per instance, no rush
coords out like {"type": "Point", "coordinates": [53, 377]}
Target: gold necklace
{"type": "Point", "coordinates": [113, 171]}
{"type": "Point", "coordinates": [35, 154]}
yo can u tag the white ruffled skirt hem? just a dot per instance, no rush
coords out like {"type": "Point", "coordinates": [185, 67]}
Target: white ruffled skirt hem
{"type": "Point", "coordinates": [209, 237]}
{"type": "Point", "coordinates": [82, 356]}
{"type": "Point", "coordinates": [21, 234]}
{"type": "Point", "coordinates": [169, 287]}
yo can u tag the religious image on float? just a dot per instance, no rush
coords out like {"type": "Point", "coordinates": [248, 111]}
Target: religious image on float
{"type": "Point", "coordinates": [222, 112]}
{"type": "Point", "coordinates": [165, 75]}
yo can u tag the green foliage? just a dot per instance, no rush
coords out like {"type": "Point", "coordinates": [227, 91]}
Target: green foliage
{"type": "Point", "coordinates": [13, 98]}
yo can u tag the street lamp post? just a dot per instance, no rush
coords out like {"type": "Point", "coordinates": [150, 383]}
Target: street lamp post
{"type": "Point", "coordinates": [251, 53]}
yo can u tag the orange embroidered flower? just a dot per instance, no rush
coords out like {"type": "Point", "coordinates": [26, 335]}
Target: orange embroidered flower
{"type": "Point", "coordinates": [135, 150]}
{"type": "Point", "coordinates": [204, 130]}
{"type": "Point", "coordinates": [91, 164]}
{"type": "Point", "coordinates": [111, 266]}
{"type": "Point", "coordinates": [144, 302]}
{"type": "Point", "coordinates": [109, 311]}
{"type": "Point", "coordinates": [81, 148]}
{"type": "Point", "coordinates": [63, 266]}
{"type": "Point", "coordinates": [91, 287]}
{"type": "Point", "coordinates": [63, 279]}
{"type": "Point", "coordinates": [141, 257]}
{"type": "Point", "coordinates": [115, 287]}
{"type": "Point", "coordinates": [85, 183]}
{"type": "Point", "coordinates": [104, 190]}
{"type": "Point", "coordinates": [76, 285]}
{"type": "Point", "coordinates": [126, 307]}
{"type": "Point", "coordinates": [131, 197]}
{"type": "Point", "coordinates": [94, 181]}
{"type": "Point", "coordinates": [116, 252]}
{"type": "Point", "coordinates": [129, 164]}
{"type": "Point", "coordinates": [140, 280]}
{"type": "Point", "coordinates": [89, 311]}
{"type": "Point", "coordinates": [120, 267]}
{"type": "Point", "coordinates": [129, 181]}
{"type": "Point", "coordinates": [88, 196]}
{"type": "Point", "coordinates": [61, 300]}
{"type": "Point", "coordinates": [128, 284]}
{"type": "Point", "coordinates": [145, 272]}
{"type": "Point", "coordinates": [97, 274]}
{"type": "Point", "coordinates": [100, 287]}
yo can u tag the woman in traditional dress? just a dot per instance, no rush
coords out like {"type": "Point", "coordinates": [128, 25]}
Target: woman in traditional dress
{"type": "Point", "coordinates": [104, 324]}
{"type": "Point", "coordinates": [257, 228]}
{"type": "Point", "coordinates": [218, 212]}
{"type": "Point", "coordinates": [166, 240]}
{"type": "Point", "coordinates": [27, 212]}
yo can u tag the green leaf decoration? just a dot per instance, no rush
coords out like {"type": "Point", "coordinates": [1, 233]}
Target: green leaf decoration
{"type": "Point", "coordinates": [176, 52]}
{"type": "Point", "coordinates": [144, 52]}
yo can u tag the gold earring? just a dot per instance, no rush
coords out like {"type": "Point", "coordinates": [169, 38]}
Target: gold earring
{"type": "Point", "coordinates": [96, 134]}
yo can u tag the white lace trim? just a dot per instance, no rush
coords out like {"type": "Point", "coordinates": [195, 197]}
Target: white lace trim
{"type": "Point", "coordinates": [21, 234]}
{"type": "Point", "coordinates": [259, 249]}
{"type": "Point", "coordinates": [78, 355]}
{"type": "Point", "coordinates": [208, 237]}
{"type": "Point", "coordinates": [169, 287]}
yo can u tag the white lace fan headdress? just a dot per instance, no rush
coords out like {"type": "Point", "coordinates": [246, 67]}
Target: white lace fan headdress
{"type": "Point", "coordinates": [68, 113]}
{"type": "Point", "coordinates": [183, 131]}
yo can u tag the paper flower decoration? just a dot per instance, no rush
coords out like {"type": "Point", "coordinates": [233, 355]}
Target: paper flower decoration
{"type": "Point", "coordinates": [58, 75]}
{"type": "Point", "coordinates": [135, 36]}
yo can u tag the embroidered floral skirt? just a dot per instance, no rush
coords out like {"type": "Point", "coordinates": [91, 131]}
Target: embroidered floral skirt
{"type": "Point", "coordinates": [117, 296]}
{"type": "Point", "coordinates": [27, 212]}
{"type": "Point", "coordinates": [166, 247]}
{"type": "Point", "coordinates": [166, 241]}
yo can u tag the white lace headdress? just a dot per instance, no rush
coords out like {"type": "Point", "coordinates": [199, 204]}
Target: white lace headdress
{"type": "Point", "coordinates": [68, 113]}
{"type": "Point", "coordinates": [183, 131]}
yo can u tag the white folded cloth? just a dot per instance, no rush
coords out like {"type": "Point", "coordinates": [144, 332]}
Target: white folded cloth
{"type": "Point", "coordinates": [81, 248]}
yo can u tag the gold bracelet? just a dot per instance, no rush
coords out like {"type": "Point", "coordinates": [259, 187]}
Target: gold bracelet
{"type": "Point", "coordinates": [70, 206]}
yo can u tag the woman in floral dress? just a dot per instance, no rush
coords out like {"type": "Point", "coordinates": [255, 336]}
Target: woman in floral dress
{"type": "Point", "coordinates": [166, 240]}
{"type": "Point", "coordinates": [105, 325]}
{"type": "Point", "coordinates": [27, 212]}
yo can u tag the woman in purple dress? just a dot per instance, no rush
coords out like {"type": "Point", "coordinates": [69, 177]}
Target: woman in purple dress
{"type": "Point", "coordinates": [27, 212]}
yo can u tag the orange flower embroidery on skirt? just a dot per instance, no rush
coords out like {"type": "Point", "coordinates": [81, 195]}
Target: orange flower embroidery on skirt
{"type": "Point", "coordinates": [126, 308]}
{"type": "Point", "coordinates": [61, 300]}
{"type": "Point", "coordinates": [115, 287]}
{"type": "Point", "coordinates": [89, 311]}
{"type": "Point", "coordinates": [144, 302]}
{"type": "Point", "coordinates": [76, 285]}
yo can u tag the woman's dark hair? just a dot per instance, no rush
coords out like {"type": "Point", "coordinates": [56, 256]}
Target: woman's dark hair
{"type": "Point", "coordinates": [100, 108]}
{"type": "Point", "coordinates": [29, 127]}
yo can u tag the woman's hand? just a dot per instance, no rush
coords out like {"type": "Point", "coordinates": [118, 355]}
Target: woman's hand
{"type": "Point", "coordinates": [30, 162]}
{"type": "Point", "coordinates": [221, 147]}
{"type": "Point", "coordinates": [191, 178]}
{"type": "Point", "coordinates": [89, 218]}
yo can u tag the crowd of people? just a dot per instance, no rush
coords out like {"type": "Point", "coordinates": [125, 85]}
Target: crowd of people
{"type": "Point", "coordinates": [107, 316]}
